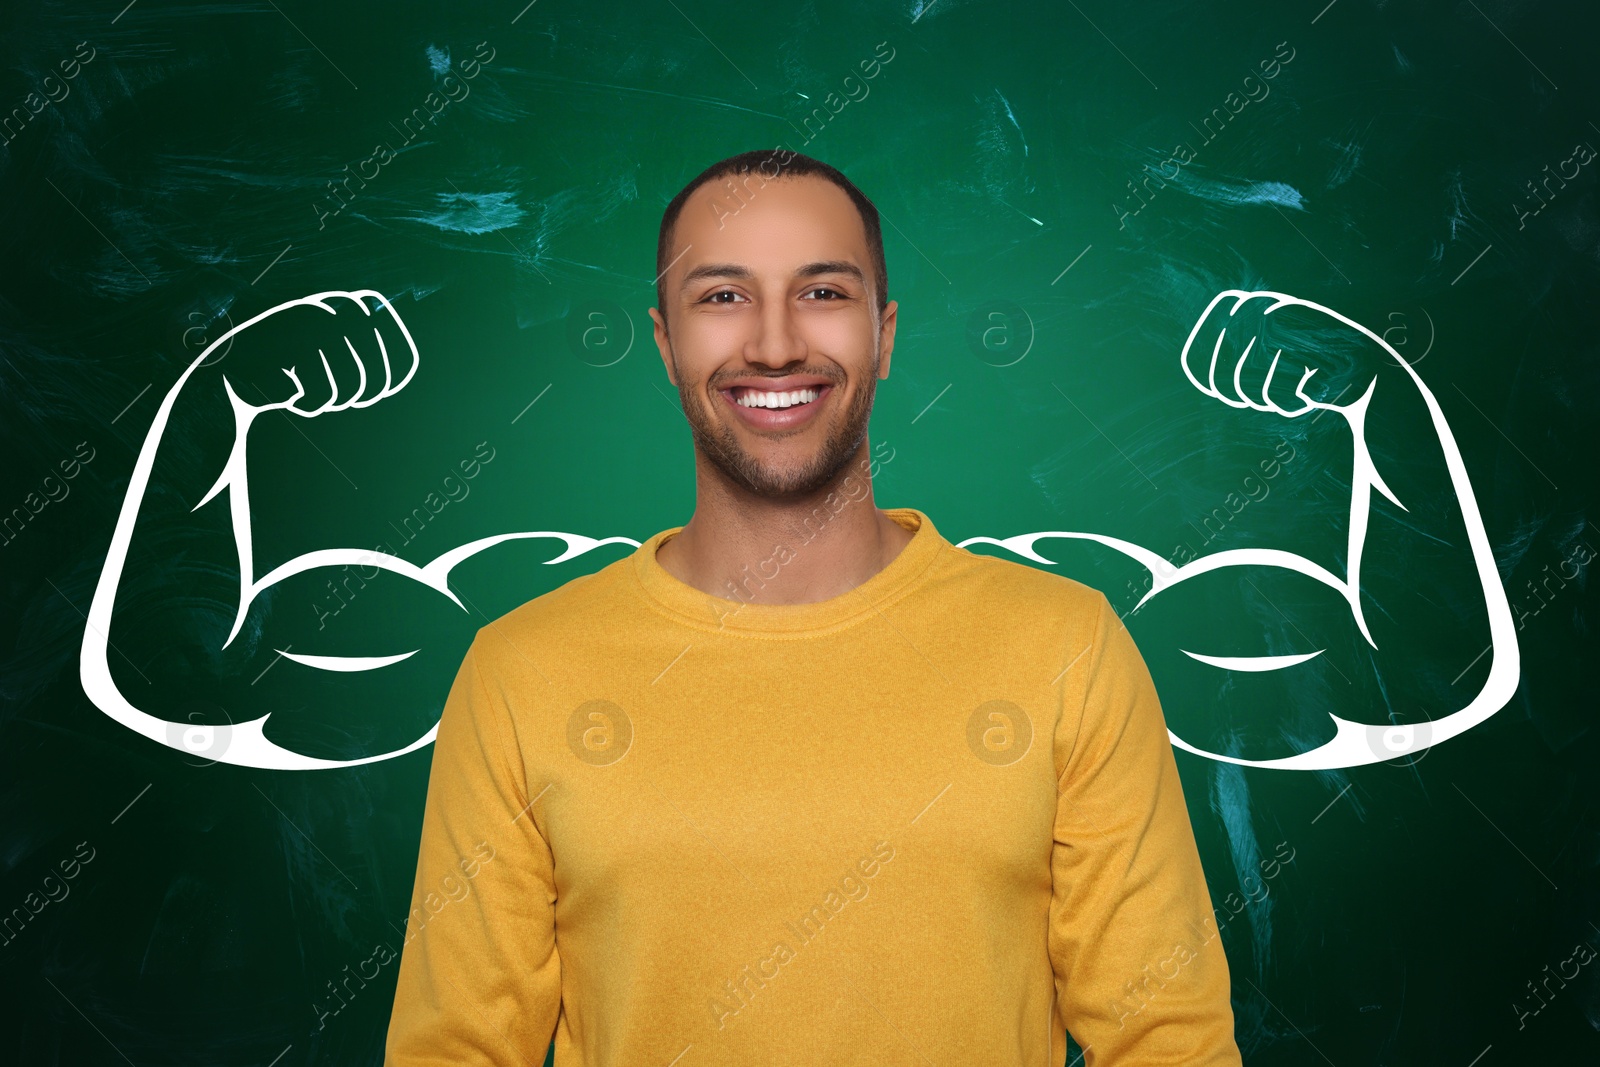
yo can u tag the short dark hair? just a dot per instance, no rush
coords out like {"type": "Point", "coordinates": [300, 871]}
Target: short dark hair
{"type": "Point", "coordinates": [774, 163]}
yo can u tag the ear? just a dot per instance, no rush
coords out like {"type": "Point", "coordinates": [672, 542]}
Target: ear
{"type": "Point", "coordinates": [886, 337]}
{"type": "Point", "coordinates": [663, 343]}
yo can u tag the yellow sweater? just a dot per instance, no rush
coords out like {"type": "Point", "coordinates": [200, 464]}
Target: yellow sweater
{"type": "Point", "coordinates": [927, 822]}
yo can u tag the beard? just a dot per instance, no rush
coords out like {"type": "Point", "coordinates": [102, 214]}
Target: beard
{"type": "Point", "coordinates": [719, 442]}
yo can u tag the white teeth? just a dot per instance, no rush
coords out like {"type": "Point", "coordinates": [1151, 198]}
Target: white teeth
{"type": "Point", "coordinates": [756, 398]}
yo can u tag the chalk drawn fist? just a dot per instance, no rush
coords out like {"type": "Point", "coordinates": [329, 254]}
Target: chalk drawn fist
{"type": "Point", "coordinates": [1261, 351]}
{"type": "Point", "coordinates": [1272, 352]}
{"type": "Point", "coordinates": [322, 353]}
{"type": "Point", "coordinates": [325, 352]}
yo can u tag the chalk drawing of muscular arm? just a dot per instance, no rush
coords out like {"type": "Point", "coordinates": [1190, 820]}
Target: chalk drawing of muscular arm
{"type": "Point", "coordinates": [1224, 346]}
{"type": "Point", "coordinates": [364, 354]}
{"type": "Point", "coordinates": [367, 354]}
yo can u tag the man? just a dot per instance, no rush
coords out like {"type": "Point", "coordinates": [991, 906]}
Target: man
{"type": "Point", "coordinates": [800, 781]}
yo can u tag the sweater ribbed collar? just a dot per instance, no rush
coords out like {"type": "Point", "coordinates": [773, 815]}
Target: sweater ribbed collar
{"type": "Point", "coordinates": [728, 615]}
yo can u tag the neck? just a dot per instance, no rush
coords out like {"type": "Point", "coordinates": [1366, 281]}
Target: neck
{"type": "Point", "coordinates": [797, 551]}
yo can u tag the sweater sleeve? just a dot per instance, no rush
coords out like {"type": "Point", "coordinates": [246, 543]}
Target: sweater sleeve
{"type": "Point", "coordinates": [480, 979]}
{"type": "Point", "coordinates": [1140, 974]}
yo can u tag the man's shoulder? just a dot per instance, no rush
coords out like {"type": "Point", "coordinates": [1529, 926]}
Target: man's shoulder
{"type": "Point", "coordinates": [1021, 585]}
{"type": "Point", "coordinates": [567, 611]}
{"type": "Point", "coordinates": [1029, 617]}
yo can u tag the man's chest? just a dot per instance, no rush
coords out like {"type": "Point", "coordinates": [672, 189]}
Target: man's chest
{"type": "Point", "coordinates": [714, 782]}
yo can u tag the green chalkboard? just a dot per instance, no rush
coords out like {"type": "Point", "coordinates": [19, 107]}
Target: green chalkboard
{"type": "Point", "coordinates": [1385, 671]}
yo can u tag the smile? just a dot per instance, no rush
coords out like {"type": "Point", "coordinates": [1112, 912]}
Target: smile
{"type": "Point", "coordinates": [759, 398]}
{"type": "Point", "coordinates": [777, 409]}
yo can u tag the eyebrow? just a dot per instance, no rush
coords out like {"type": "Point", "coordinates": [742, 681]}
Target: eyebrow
{"type": "Point", "coordinates": [743, 273]}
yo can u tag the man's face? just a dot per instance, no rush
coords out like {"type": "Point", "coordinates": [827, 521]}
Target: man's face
{"type": "Point", "coordinates": [768, 299]}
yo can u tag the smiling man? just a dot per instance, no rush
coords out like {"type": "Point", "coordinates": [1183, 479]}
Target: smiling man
{"type": "Point", "coordinates": [800, 780]}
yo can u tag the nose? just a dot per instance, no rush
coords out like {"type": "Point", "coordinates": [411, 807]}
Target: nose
{"type": "Point", "coordinates": [777, 341]}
